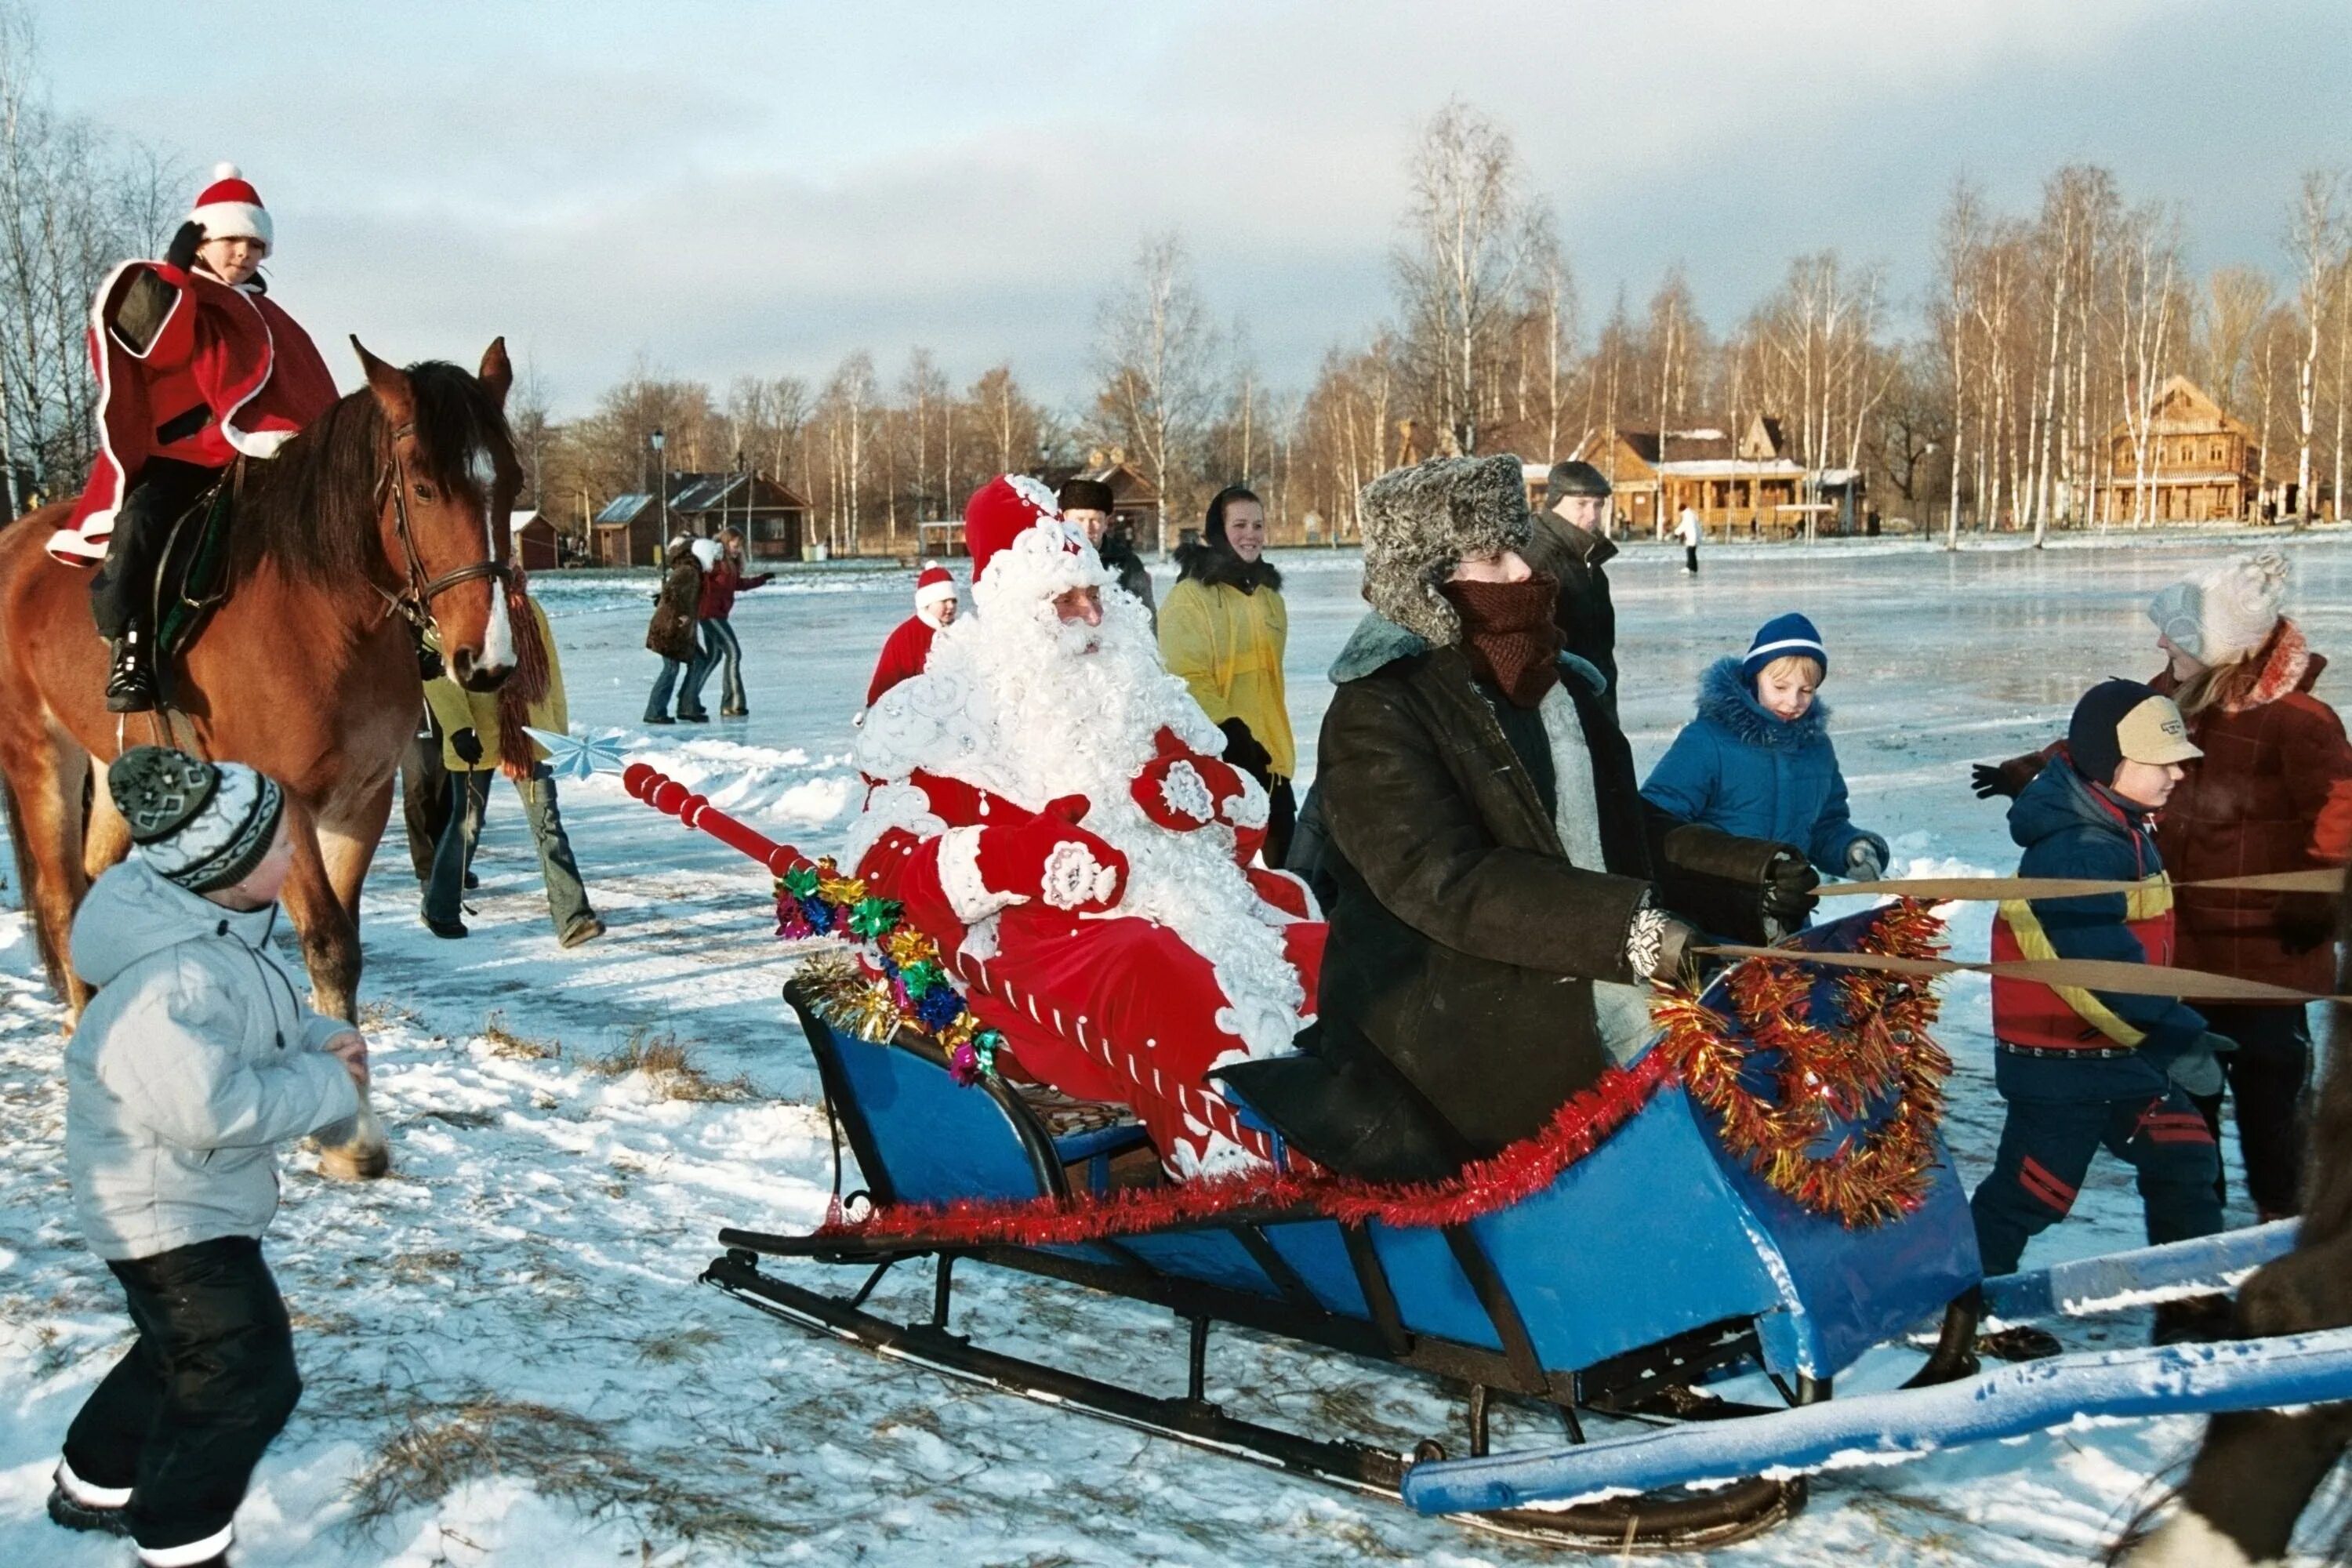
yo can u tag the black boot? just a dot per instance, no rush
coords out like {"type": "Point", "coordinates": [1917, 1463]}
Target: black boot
{"type": "Point", "coordinates": [131, 679]}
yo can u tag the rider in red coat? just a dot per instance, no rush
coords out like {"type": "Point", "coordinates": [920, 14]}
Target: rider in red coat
{"type": "Point", "coordinates": [197, 367]}
{"type": "Point", "coordinates": [909, 643]}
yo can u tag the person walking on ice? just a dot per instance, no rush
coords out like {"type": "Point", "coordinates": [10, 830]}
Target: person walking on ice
{"type": "Point", "coordinates": [1690, 530]}
{"type": "Point", "coordinates": [195, 1058]}
{"type": "Point", "coordinates": [2080, 1068]}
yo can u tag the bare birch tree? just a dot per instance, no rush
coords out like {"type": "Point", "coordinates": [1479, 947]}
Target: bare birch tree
{"type": "Point", "coordinates": [1156, 351]}
{"type": "Point", "coordinates": [2316, 236]}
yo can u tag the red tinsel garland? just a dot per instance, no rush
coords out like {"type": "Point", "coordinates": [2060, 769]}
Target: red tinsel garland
{"type": "Point", "coordinates": [1880, 1048]}
{"type": "Point", "coordinates": [1516, 1173]}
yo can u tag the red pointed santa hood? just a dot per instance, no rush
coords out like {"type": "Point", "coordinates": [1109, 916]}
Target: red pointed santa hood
{"type": "Point", "coordinates": [1021, 549]}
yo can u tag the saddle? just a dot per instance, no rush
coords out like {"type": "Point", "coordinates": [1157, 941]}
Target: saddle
{"type": "Point", "coordinates": [192, 576]}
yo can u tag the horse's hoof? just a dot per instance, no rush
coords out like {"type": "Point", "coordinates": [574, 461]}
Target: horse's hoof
{"type": "Point", "coordinates": [355, 1164]}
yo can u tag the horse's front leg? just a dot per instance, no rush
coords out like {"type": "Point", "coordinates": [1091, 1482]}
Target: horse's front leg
{"type": "Point", "coordinates": [331, 950]}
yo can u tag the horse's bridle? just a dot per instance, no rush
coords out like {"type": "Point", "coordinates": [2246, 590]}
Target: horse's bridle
{"type": "Point", "coordinates": [413, 603]}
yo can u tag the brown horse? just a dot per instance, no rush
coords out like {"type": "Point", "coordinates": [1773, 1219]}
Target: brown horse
{"type": "Point", "coordinates": [2257, 1471]}
{"type": "Point", "coordinates": [390, 509]}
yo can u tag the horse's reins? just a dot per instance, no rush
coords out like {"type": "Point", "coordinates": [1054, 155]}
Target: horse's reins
{"type": "Point", "coordinates": [414, 606]}
{"type": "Point", "coordinates": [2086, 973]}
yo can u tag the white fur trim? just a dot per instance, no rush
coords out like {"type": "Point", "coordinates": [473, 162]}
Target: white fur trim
{"type": "Point", "coordinates": [78, 548]}
{"type": "Point", "coordinates": [235, 220]}
{"type": "Point", "coordinates": [1185, 794]}
{"type": "Point", "coordinates": [194, 1553]}
{"type": "Point", "coordinates": [936, 593]}
{"type": "Point", "coordinates": [968, 894]}
{"type": "Point", "coordinates": [2187, 1541]}
{"type": "Point", "coordinates": [84, 1493]}
{"type": "Point", "coordinates": [259, 443]}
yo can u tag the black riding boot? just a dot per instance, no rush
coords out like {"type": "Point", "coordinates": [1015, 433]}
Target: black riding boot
{"type": "Point", "coordinates": [131, 677]}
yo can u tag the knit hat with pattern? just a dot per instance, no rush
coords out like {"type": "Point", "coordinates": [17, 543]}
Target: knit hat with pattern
{"type": "Point", "coordinates": [204, 825]}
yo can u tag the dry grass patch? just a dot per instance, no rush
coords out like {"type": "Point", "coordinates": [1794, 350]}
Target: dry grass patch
{"type": "Point", "coordinates": [440, 1445]}
{"type": "Point", "coordinates": [667, 1063]}
{"type": "Point", "coordinates": [505, 1042]}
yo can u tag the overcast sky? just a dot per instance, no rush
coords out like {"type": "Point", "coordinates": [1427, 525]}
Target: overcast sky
{"type": "Point", "coordinates": [730, 188]}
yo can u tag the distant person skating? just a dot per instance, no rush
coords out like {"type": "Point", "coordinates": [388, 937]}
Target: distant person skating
{"type": "Point", "coordinates": [1568, 543]}
{"type": "Point", "coordinates": [909, 643]}
{"type": "Point", "coordinates": [482, 733]}
{"type": "Point", "coordinates": [1088, 504]}
{"type": "Point", "coordinates": [1756, 760]}
{"type": "Point", "coordinates": [671, 632]}
{"type": "Point", "coordinates": [197, 1057]}
{"type": "Point", "coordinates": [1223, 632]}
{"type": "Point", "coordinates": [716, 645]}
{"type": "Point", "coordinates": [1688, 529]}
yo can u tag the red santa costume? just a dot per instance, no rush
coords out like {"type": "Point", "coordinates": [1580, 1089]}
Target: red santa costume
{"type": "Point", "coordinates": [1052, 812]}
{"type": "Point", "coordinates": [909, 643]}
{"type": "Point", "coordinates": [224, 372]}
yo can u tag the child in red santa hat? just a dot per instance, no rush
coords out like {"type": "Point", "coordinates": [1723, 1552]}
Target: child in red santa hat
{"type": "Point", "coordinates": [197, 367]}
{"type": "Point", "coordinates": [910, 642]}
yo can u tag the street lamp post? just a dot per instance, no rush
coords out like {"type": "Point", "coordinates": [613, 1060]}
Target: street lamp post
{"type": "Point", "coordinates": [661, 490]}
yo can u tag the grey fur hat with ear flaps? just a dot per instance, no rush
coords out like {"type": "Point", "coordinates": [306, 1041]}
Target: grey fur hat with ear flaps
{"type": "Point", "coordinates": [1419, 521]}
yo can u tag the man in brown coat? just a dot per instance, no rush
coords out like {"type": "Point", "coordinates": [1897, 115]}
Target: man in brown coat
{"type": "Point", "coordinates": [671, 633]}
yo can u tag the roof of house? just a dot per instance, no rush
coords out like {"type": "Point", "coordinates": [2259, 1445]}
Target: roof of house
{"type": "Point", "coordinates": [624, 509]}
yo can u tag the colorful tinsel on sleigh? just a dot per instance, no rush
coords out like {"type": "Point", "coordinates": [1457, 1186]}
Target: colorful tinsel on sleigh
{"type": "Point", "coordinates": [1872, 1057]}
{"type": "Point", "coordinates": [908, 988]}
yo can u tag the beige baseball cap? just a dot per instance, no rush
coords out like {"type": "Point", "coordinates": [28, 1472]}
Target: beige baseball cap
{"type": "Point", "coordinates": [2154, 732]}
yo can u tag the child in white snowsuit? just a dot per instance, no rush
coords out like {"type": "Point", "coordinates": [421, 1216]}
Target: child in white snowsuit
{"type": "Point", "coordinates": [196, 1056]}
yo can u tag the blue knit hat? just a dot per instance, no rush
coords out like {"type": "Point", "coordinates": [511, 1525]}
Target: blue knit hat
{"type": "Point", "coordinates": [1783, 637]}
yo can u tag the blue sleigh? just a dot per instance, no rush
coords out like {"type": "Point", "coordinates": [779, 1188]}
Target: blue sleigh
{"type": "Point", "coordinates": [1653, 1265]}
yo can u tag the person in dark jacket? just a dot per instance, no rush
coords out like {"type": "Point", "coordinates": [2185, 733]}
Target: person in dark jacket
{"type": "Point", "coordinates": [2081, 1068]}
{"type": "Point", "coordinates": [2273, 793]}
{"type": "Point", "coordinates": [716, 644]}
{"type": "Point", "coordinates": [1567, 543]}
{"type": "Point", "coordinates": [671, 632]}
{"type": "Point", "coordinates": [1757, 758]}
{"type": "Point", "coordinates": [1089, 503]}
{"type": "Point", "coordinates": [1494, 929]}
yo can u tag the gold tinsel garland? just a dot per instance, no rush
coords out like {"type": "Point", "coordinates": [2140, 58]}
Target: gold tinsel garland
{"type": "Point", "coordinates": [1878, 1047]}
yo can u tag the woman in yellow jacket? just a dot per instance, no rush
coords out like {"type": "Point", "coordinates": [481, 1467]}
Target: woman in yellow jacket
{"type": "Point", "coordinates": [482, 732]}
{"type": "Point", "coordinates": [1223, 630]}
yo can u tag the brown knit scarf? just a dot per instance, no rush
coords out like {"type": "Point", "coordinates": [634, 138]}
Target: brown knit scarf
{"type": "Point", "coordinates": [1508, 631]}
{"type": "Point", "coordinates": [527, 687]}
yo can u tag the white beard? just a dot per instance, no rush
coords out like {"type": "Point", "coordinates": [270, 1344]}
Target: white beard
{"type": "Point", "coordinates": [1014, 704]}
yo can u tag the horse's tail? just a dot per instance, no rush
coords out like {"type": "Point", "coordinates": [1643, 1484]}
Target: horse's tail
{"type": "Point", "coordinates": [52, 960]}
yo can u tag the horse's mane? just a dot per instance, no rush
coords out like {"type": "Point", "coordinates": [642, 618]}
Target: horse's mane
{"type": "Point", "coordinates": [313, 508]}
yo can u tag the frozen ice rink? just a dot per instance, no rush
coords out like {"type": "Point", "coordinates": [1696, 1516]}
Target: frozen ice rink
{"type": "Point", "coordinates": [513, 1311]}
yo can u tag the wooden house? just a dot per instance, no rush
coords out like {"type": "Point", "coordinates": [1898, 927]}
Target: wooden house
{"type": "Point", "coordinates": [773, 518]}
{"type": "Point", "coordinates": [627, 533]}
{"type": "Point", "coordinates": [1134, 499]}
{"type": "Point", "coordinates": [537, 545]}
{"type": "Point", "coordinates": [1736, 483]}
{"type": "Point", "coordinates": [2202, 465]}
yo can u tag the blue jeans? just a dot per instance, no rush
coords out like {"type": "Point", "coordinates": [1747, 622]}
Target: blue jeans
{"type": "Point", "coordinates": [469, 799]}
{"type": "Point", "coordinates": [718, 646]}
{"type": "Point", "coordinates": [658, 705]}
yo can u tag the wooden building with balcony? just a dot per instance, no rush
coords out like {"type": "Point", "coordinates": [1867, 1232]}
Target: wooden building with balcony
{"type": "Point", "coordinates": [2202, 465]}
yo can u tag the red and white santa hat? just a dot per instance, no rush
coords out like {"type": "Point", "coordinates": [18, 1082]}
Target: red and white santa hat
{"type": "Point", "coordinates": [1022, 550]}
{"type": "Point", "coordinates": [933, 586]}
{"type": "Point", "coordinates": [230, 208]}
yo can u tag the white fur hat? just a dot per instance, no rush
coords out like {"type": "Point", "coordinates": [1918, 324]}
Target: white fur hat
{"type": "Point", "coordinates": [2241, 604]}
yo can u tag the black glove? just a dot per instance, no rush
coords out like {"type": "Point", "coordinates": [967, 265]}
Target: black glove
{"type": "Point", "coordinates": [181, 252]}
{"type": "Point", "coordinates": [2007, 779]}
{"type": "Point", "coordinates": [1242, 751]}
{"type": "Point", "coordinates": [429, 662]}
{"type": "Point", "coordinates": [1678, 959]}
{"type": "Point", "coordinates": [1789, 884]}
{"type": "Point", "coordinates": [2305, 920]}
{"type": "Point", "coordinates": [466, 744]}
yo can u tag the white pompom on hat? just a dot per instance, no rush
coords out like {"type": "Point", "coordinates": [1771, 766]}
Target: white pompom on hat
{"type": "Point", "coordinates": [2241, 604]}
{"type": "Point", "coordinates": [230, 208]}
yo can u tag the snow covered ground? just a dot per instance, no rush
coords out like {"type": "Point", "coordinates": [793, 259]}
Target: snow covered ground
{"type": "Point", "coordinates": [508, 1361]}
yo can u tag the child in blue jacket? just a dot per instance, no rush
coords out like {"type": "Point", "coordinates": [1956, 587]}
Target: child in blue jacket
{"type": "Point", "coordinates": [1757, 760]}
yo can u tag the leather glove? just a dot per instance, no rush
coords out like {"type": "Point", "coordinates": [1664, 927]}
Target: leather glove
{"type": "Point", "coordinates": [1183, 791]}
{"type": "Point", "coordinates": [466, 744]}
{"type": "Point", "coordinates": [1242, 750]}
{"type": "Point", "coordinates": [2198, 1069]}
{"type": "Point", "coordinates": [2305, 920]}
{"type": "Point", "coordinates": [2007, 779]}
{"type": "Point", "coordinates": [1789, 884]}
{"type": "Point", "coordinates": [1678, 960]}
{"type": "Point", "coordinates": [1862, 862]}
{"type": "Point", "coordinates": [1051, 857]}
{"type": "Point", "coordinates": [181, 252]}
